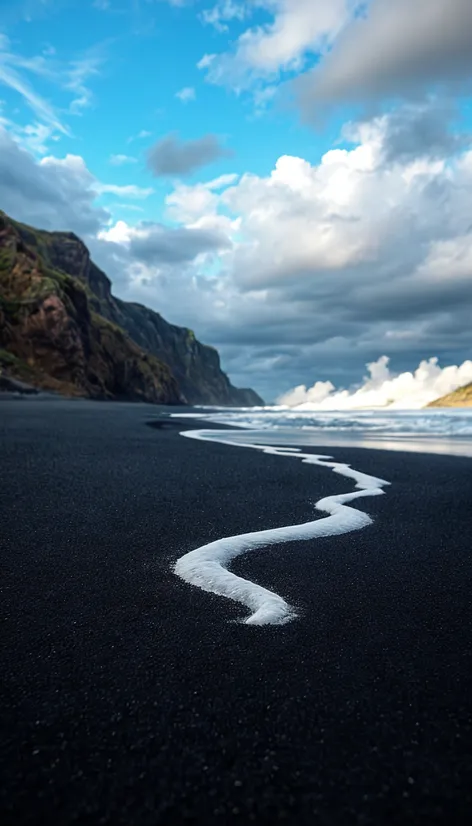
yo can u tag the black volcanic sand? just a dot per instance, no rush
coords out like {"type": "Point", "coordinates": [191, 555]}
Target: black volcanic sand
{"type": "Point", "coordinates": [132, 698]}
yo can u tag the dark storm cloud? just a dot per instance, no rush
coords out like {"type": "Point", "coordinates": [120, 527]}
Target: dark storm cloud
{"type": "Point", "coordinates": [171, 156]}
{"type": "Point", "coordinates": [413, 298]}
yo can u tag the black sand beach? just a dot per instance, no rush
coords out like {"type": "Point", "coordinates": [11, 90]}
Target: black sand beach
{"type": "Point", "coordinates": [130, 698]}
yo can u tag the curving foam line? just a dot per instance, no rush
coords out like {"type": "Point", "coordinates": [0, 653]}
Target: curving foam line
{"type": "Point", "coordinates": [206, 567]}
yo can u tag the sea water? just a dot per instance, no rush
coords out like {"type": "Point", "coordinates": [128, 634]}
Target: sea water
{"type": "Point", "coordinates": [435, 430]}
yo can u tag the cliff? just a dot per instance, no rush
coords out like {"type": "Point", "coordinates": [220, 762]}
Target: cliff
{"type": "Point", "coordinates": [462, 397]}
{"type": "Point", "coordinates": [195, 366]}
{"type": "Point", "coordinates": [51, 337]}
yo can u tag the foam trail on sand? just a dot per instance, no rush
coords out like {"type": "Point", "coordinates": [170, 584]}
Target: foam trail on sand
{"type": "Point", "coordinates": [206, 567]}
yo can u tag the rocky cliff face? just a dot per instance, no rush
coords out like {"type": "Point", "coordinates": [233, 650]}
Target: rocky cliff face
{"type": "Point", "coordinates": [51, 336]}
{"type": "Point", "coordinates": [462, 397]}
{"type": "Point", "coordinates": [195, 366]}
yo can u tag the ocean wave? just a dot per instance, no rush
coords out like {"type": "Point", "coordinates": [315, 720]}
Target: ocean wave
{"type": "Point", "coordinates": [438, 423]}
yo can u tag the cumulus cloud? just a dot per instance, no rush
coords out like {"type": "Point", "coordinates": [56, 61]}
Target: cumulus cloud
{"type": "Point", "coordinates": [307, 229]}
{"type": "Point", "coordinates": [189, 204]}
{"type": "Point", "coordinates": [334, 262]}
{"type": "Point", "coordinates": [305, 273]}
{"type": "Point", "coordinates": [394, 49]}
{"type": "Point", "coordinates": [155, 244]}
{"type": "Point", "coordinates": [171, 156]}
{"type": "Point", "coordinates": [381, 388]}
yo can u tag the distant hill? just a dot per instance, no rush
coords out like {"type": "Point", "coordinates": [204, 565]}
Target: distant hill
{"type": "Point", "coordinates": [62, 329]}
{"type": "Point", "coordinates": [462, 397]}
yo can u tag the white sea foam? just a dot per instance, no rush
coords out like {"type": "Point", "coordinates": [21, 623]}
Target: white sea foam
{"type": "Point", "coordinates": [431, 423]}
{"type": "Point", "coordinates": [206, 567]}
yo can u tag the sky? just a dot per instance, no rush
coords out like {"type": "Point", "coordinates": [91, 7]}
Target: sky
{"type": "Point", "coordinates": [292, 179]}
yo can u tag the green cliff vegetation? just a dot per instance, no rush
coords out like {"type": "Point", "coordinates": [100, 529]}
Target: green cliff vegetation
{"type": "Point", "coordinates": [10, 364]}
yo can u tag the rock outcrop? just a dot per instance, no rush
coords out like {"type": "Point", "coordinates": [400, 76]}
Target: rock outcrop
{"type": "Point", "coordinates": [195, 366]}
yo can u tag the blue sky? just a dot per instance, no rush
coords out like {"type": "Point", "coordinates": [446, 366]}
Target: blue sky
{"type": "Point", "coordinates": [136, 56]}
{"type": "Point", "coordinates": [264, 171]}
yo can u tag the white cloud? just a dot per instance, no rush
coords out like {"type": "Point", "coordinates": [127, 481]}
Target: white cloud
{"type": "Point", "coordinates": [35, 137]}
{"type": "Point", "coordinates": [126, 191]}
{"type": "Point", "coordinates": [71, 166]}
{"type": "Point", "coordinates": [223, 12]}
{"type": "Point", "coordinates": [206, 61]}
{"type": "Point", "coordinates": [222, 181]}
{"type": "Point", "coordinates": [79, 72]}
{"type": "Point", "coordinates": [11, 77]}
{"type": "Point", "coordinates": [142, 135]}
{"type": "Point", "coordinates": [262, 97]}
{"type": "Point", "coordinates": [16, 72]}
{"type": "Point", "coordinates": [382, 388]}
{"type": "Point", "coordinates": [189, 204]}
{"type": "Point", "coordinates": [298, 28]}
{"type": "Point", "coordinates": [127, 207]}
{"type": "Point", "coordinates": [186, 94]}
{"type": "Point", "coordinates": [119, 233]}
{"type": "Point", "coordinates": [121, 160]}
{"type": "Point", "coordinates": [74, 165]}
{"type": "Point", "coordinates": [335, 262]}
